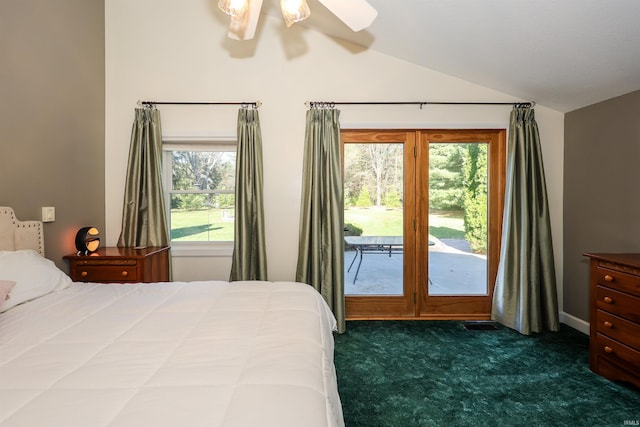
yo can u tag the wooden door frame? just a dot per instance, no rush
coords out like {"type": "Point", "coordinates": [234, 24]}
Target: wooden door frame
{"type": "Point", "coordinates": [460, 307]}
{"type": "Point", "coordinates": [391, 306]}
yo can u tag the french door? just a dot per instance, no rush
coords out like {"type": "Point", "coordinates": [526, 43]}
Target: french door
{"type": "Point", "coordinates": [423, 218]}
{"type": "Point", "coordinates": [380, 177]}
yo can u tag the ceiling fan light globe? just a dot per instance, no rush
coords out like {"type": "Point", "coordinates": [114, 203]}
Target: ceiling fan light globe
{"type": "Point", "coordinates": [233, 7]}
{"type": "Point", "coordinates": [294, 11]}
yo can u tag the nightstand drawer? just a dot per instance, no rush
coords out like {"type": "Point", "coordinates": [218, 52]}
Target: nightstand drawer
{"type": "Point", "coordinates": [114, 273]}
{"type": "Point", "coordinates": [100, 261]}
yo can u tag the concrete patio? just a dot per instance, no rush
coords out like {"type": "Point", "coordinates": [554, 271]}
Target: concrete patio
{"type": "Point", "coordinates": [453, 270]}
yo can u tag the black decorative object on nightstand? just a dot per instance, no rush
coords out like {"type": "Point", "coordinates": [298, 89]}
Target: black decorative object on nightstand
{"type": "Point", "coordinates": [87, 240]}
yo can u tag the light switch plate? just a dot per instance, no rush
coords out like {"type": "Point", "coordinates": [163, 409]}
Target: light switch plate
{"type": "Point", "coordinates": [48, 214]}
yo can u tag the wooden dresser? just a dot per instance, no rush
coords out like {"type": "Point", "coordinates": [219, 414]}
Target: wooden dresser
{"type": "Point", "coordinates": [121, 265]}
{"type": "Point", "coordinates": [615, 316]}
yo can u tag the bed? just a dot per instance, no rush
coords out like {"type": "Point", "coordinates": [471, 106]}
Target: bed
{"type": "Point", "coordinates": [160, 354]}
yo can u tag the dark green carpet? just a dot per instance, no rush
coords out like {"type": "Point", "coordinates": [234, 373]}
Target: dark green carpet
{"type": "Point", "coordinates": [436, 373]}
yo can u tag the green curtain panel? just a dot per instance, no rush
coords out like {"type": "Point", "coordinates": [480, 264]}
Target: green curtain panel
{"type": "Point", "coordinates": [249, 255]}
{"type": "Point", "coordinates": [321, 244]}
{"type": "Point", "coordinates": [144, 221]}
{"type": "Point", "coordinates": [525, 296]}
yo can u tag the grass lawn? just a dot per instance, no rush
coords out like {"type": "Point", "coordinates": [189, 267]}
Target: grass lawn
{"type": "Point", "coordinates": [447, 224]}
{"type": "Point", "coordinates": [202, 225]}
{"type": "Point", "coordinates": [217, 224]}
{"type": "Point", "coordinates": [388, 222]}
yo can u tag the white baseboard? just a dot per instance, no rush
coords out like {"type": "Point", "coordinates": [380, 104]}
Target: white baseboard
{"type": "Point", "coordinates": [574, 322]}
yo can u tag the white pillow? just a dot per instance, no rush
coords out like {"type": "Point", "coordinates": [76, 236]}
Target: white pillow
{"type": "Point", "coordinates": [34, 275]}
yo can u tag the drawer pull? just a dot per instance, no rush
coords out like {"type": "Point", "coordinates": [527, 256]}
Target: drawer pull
{"type": "Point", "coordinates": [608, 278]}
{"type": "Point", "coordinates": [608, 349]}
{"type": "Point", "coordinates": [125, 273]}
{"type": "Point", "coordinates": [608, 324]}
{"type": "Point", "coordinates": [608, 300]}
{"type": "Point", "coordinates": [84, 274]}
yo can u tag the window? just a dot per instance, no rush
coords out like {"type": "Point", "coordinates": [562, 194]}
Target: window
{"type": "Point", "coordinates": [199, 182]}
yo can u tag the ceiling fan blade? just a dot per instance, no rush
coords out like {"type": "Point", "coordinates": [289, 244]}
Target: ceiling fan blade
{"type": "Point", "coordinates": [243, 27]}
{"type": "Point", "coordinates": [357, 14]}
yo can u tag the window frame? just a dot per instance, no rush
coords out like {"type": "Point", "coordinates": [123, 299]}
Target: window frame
{"type": "Point", "coordinates": [193, 143]}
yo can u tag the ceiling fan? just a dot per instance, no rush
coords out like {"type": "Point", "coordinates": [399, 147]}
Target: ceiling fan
{"type": "Point", "coordinates": [356, 14]}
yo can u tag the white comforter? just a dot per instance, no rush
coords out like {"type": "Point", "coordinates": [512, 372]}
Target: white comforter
{"type": "Point", "coordinates": [170, 354]}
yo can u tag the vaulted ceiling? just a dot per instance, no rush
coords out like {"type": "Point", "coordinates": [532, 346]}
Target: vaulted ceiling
{"type": "Point", "coordinates": [563, 54]}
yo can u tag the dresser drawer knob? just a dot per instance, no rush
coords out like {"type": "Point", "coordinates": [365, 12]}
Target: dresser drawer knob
{"type": "Point", "coordinates": [125, 273]}
{"type": "Point", "coordinates": [84, 274]}
{"type": "Point", "coordinates": [608, 300]}
{"type": "Point", "coordinates": [608, 278]}
{"type": "Point", "coordinates": [608, 324]}
{"type": "Point", "coordinates": [608, 349]}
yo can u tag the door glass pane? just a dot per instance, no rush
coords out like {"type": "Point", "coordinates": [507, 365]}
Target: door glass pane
{"type": "Point", "coordinates": [458, 212]}
{"type": "Point", "coordinates": [374, 218]}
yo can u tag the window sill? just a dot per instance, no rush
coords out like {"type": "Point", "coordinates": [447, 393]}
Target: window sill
{"type": "Point", "coordinates": [202, 250]}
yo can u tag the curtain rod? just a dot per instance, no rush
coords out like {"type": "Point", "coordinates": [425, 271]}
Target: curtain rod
{"type": "Point", "coordinates": [420, 103]}
{"type": "Point", "coordinates": [254, 104]}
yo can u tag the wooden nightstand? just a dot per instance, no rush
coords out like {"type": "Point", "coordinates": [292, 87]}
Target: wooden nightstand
{"type": "Point", "coordinates": [121, 265]}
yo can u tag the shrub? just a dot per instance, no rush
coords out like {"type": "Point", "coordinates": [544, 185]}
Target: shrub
{"type": "Point", "coordinates": [364, 199]}
{"type": "Point", "coordinates": [348, 199]}
{"type": "Point", "coordinates": [192, 202]}
{"type": "Point", "coordinates": [392, 199]}
{"type": "Point", "coordinates": [352, 230]}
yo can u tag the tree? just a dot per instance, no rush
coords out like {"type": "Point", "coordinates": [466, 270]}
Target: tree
{"type": "Point", "coordinates": [377, 166]}
{"type": "Point", "coordinates": [382, 161]}
{"type": "Point", "coordinates": [364, 198]}
{"type": "Point", "coordinates": [201, 170]}
{"type": "Point", "coordinates": [475, 198]}
{"type": "Point", "coordinates": [446, 190]}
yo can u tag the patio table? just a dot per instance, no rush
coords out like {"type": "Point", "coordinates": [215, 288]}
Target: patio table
{"type": "Point", "coordinates": [372, 245]}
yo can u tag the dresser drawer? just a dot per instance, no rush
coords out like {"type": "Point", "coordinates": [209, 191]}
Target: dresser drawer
{"type": "Point", "coordinates": [100, 273]}
{"type": "Point", "coordinates": [618, 280]}
{"type": "Point", "coordinates": [615, 372]}
{"type": "Point", "coordinates": [618, 328]}
{"type": "Point", "coordinates": [618, 353]}
{"type": "Point", "coordinates": [618, 303]}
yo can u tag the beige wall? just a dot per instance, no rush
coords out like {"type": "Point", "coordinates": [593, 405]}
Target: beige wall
{"type": "Point", "coordinates": [601, 190]}
{"type": "Point", "coordinates": [181, 53]}
{"type": "Point", "coordinates": [52, 115]}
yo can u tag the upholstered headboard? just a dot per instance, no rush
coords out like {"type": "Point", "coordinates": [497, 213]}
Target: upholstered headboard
{"type": "Point", "coordinates": [16, 235]}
